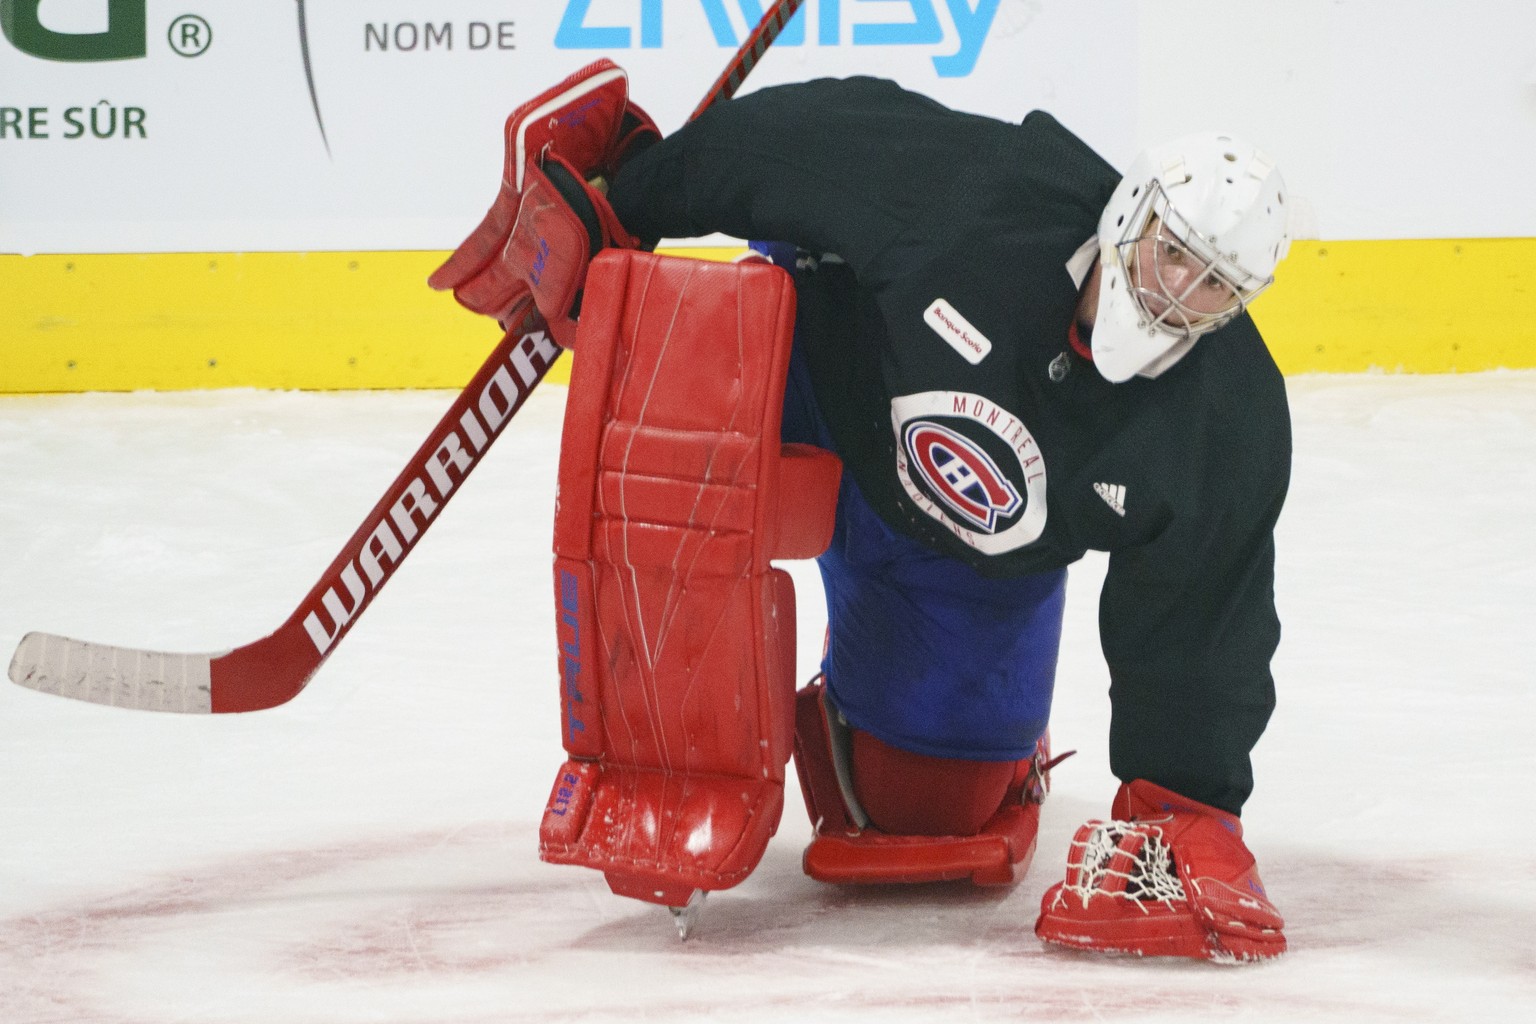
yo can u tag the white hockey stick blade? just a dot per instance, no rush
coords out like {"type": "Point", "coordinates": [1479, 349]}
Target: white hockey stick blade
{"type": "Point", "coordinates": [119, 676]}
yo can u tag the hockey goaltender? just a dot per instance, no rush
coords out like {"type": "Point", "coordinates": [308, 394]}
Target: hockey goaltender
{"type": "Point", "coordinates": [1017, 354]}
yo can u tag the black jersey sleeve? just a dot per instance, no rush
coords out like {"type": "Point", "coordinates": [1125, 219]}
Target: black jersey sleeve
{"type": "Point", "coordinates": [845, 166]}
{"type": "Point", "coordinates": [1188, 620]}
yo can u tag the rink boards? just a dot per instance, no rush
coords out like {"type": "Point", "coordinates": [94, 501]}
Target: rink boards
{"type": "Point", "coordinates": [340, 320]}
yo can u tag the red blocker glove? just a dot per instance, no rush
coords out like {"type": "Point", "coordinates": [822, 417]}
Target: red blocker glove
{"type": "Point", "coordinates": [1168, 877]}
{"type": "Point", "coordinates": [547, 222]}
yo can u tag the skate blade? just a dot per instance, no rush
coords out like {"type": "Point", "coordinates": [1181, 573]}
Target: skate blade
{"type": "Point", "coordinates": [685, 917]}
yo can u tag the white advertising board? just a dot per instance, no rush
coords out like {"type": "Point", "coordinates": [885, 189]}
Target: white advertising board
{"type": "Point", "coordinates": [308, 125]}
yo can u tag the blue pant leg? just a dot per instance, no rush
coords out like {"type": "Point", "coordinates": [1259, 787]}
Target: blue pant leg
{"type": "Point", "coordinates": [928, 655]}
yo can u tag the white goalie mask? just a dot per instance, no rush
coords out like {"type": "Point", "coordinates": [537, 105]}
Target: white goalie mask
{"type": "Point", "coordinates": [1192, 233]}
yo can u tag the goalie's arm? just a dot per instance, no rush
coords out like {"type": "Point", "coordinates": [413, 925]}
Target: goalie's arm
{"type": "Point", "coordinates": [1188, 621]}
{"type": "Point", "coordinates": [828, 165]}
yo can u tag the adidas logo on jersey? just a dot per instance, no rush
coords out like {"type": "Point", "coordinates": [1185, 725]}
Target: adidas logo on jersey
{"type": "Point", "coordinates": [1113, 495]}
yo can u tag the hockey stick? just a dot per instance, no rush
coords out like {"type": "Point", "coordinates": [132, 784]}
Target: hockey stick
{"type": "Point", "coordinates": [274, 669]}
{"type": "Point", "coordinates": [751, 51]}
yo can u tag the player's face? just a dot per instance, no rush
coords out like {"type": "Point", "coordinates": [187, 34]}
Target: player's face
{"type": "Point", "coordinates": [1178, 288]}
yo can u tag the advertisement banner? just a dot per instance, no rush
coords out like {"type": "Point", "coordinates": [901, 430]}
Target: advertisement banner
{"type": "Point", "coordinates": [140, 126]}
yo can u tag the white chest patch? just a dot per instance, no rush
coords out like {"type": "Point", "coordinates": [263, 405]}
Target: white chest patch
{"type": "Point", "coordinates": [973, 466]}
{"type": "Point", "coordinates": [955, 329]}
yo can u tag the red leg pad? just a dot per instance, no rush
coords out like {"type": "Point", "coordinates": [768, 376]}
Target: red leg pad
{"type": "Point", "coordinates": [677, 637]}
{"type": "Point", "coordinates": [915, 795]}
{"type": "Point", "coordinates": [813, 765]}
{"type": "Point", "coordinates": [657, 836]}
{"type": "Point", "coordinates": [993, 800]}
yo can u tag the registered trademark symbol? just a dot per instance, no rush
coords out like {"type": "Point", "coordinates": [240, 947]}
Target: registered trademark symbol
{"type": "Point", "coordinates": [189, 35]}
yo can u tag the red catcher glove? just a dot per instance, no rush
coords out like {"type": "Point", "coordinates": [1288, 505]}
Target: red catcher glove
{"type": "Point", "coordinates": [547, 222]}
{"type": "Point", "coordinates": [1168, 877]}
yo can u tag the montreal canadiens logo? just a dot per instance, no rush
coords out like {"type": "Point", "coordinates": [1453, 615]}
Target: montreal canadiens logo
{"type": "Point", "coordinates": [963, 475]}
{"type": "Point", "coordinates": [973, 466]}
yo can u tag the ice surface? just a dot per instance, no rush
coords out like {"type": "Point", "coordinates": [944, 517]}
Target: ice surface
{"type": "Point", "coordinates": [367, 852]}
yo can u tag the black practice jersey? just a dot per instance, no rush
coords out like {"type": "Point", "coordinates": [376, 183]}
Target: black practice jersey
{"type": "Point", "coordinates": [938, 344]}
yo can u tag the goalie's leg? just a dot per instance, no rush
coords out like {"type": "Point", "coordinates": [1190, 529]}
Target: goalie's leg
{"type": "Point", "coordinates": [676, 634]}
{"type": "Point", "coordinates": [923, 756]}
{"type": "Point", "coordinates": [909, 817]}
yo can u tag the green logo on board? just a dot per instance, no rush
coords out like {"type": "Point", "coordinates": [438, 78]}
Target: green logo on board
{"type": "Point", "coordinates": [124, 38]}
